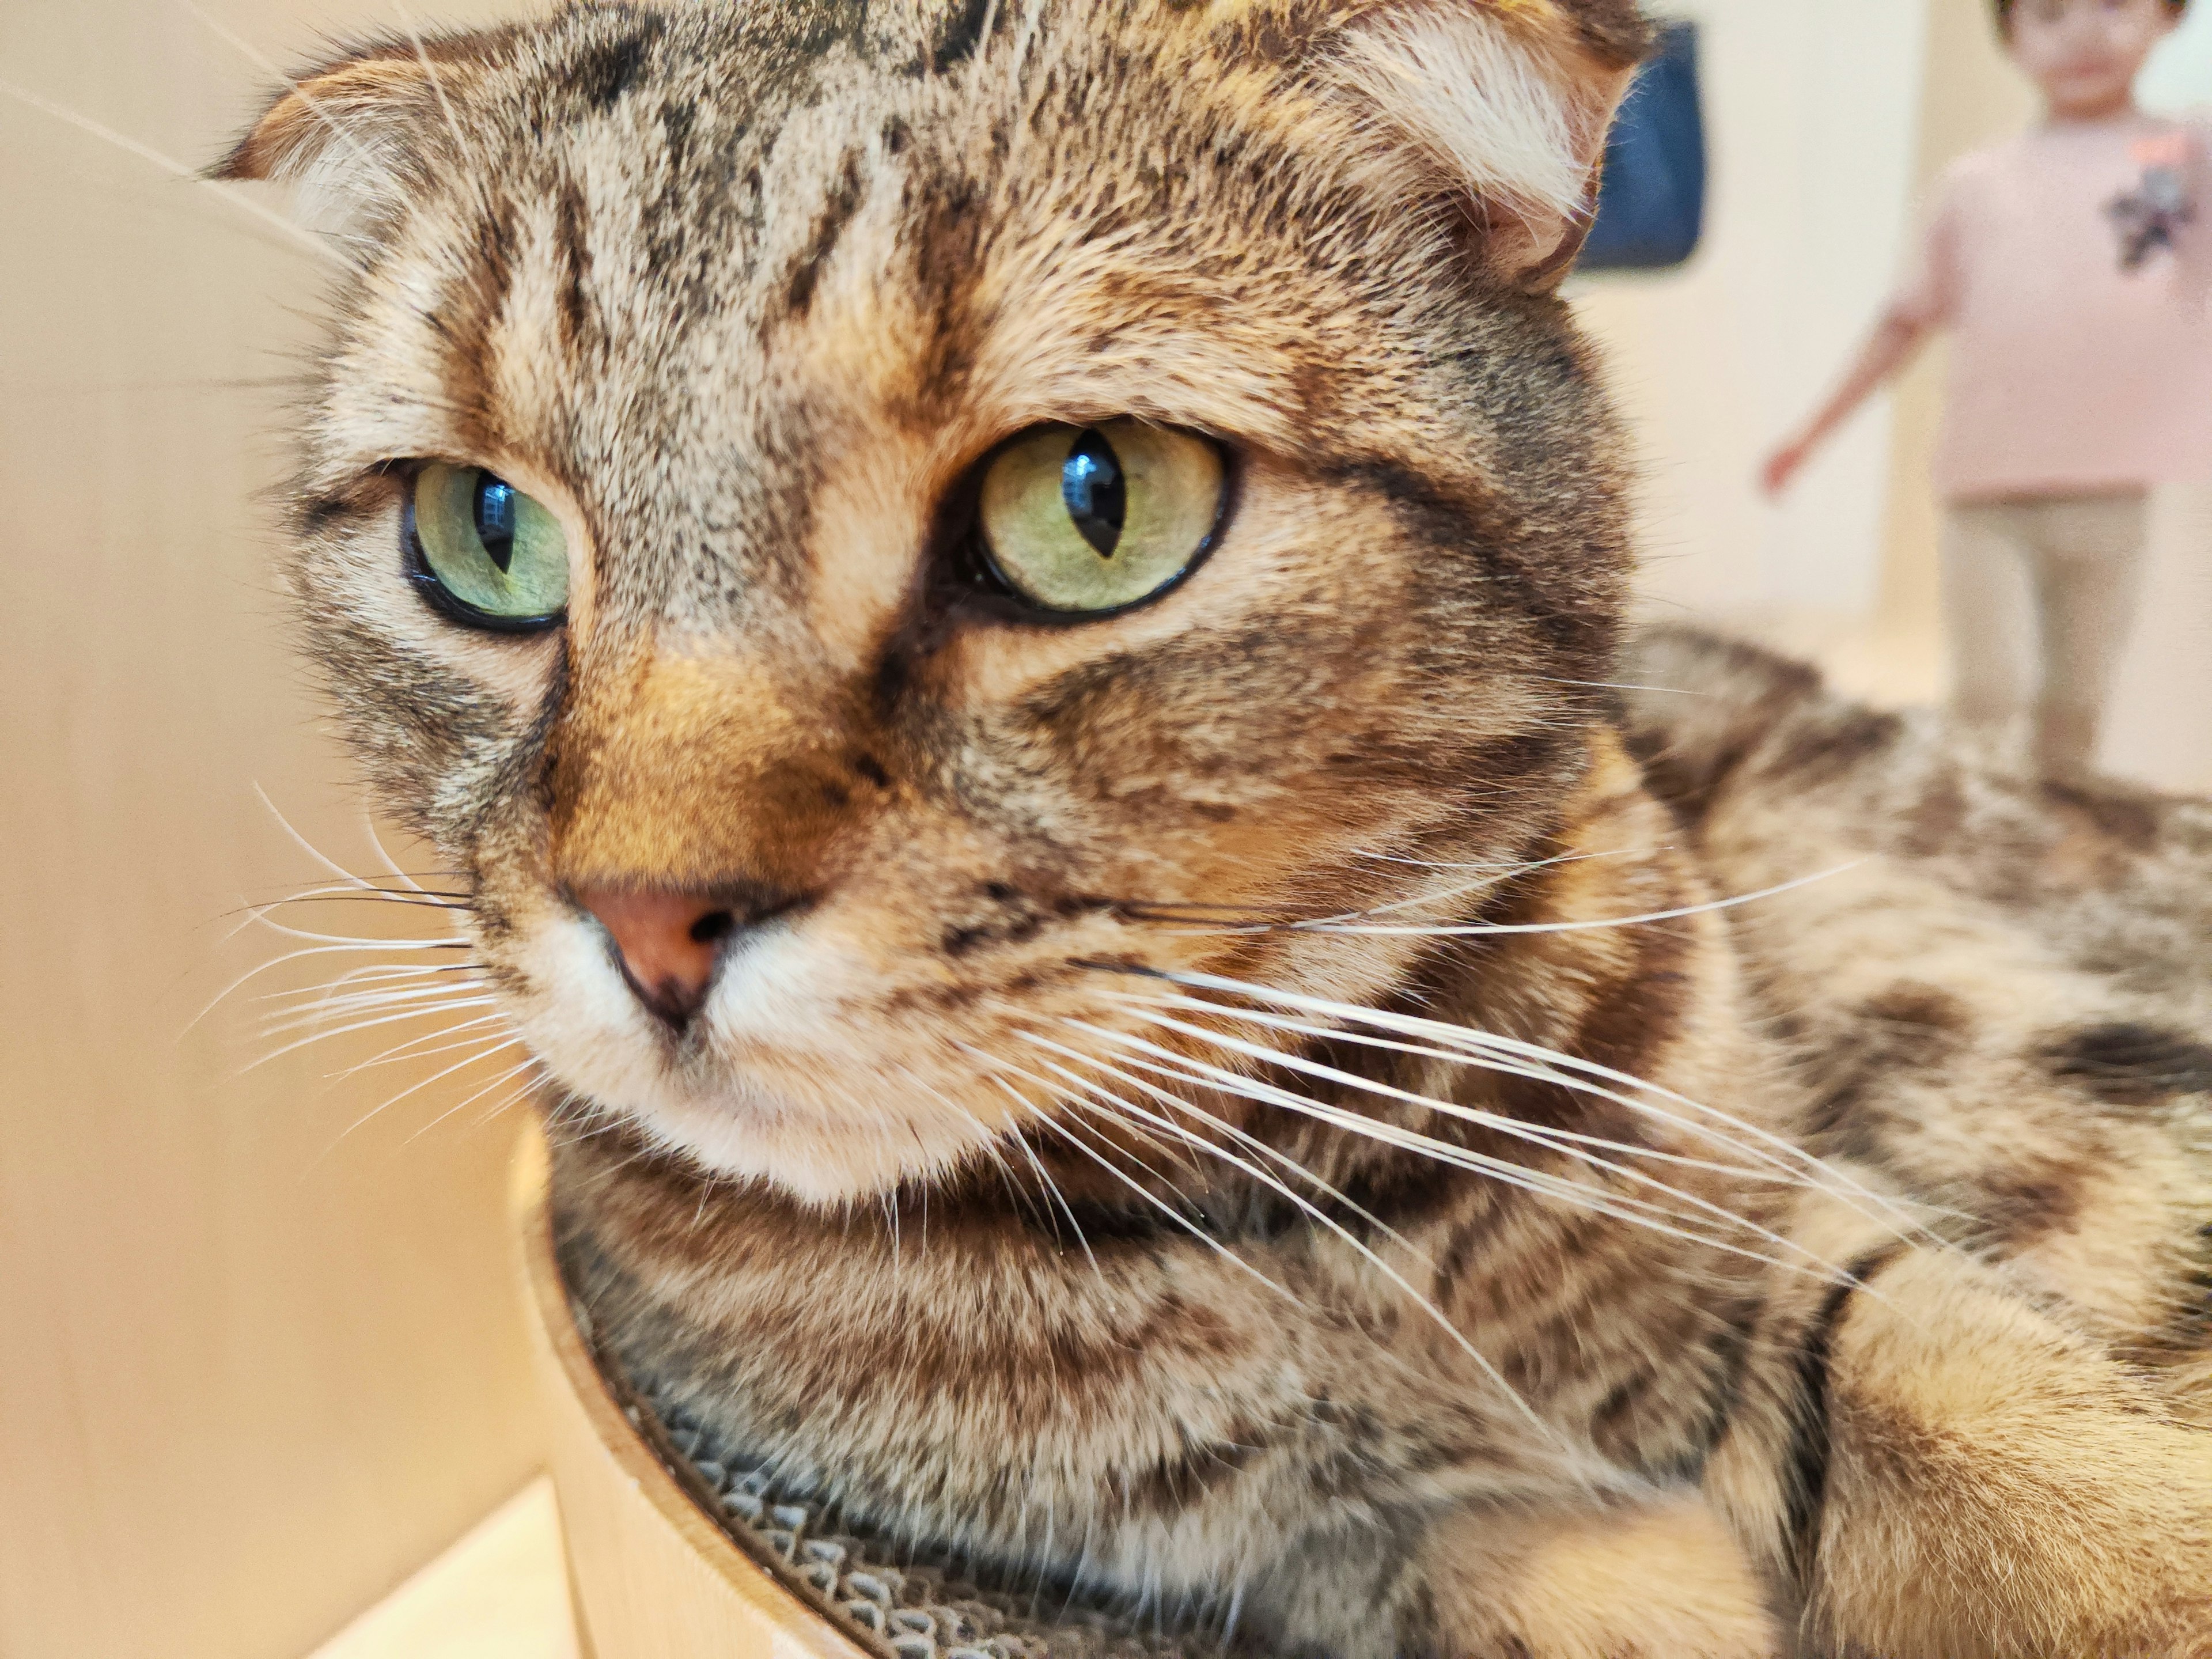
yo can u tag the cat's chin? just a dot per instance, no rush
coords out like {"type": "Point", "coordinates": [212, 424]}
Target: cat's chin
{"type": "Point", "coordinates": [827, 1128]}
{"type": "Point", "coordinates": [735, 1127]}
{"type": "Point", "coordinates": [751, 1135]}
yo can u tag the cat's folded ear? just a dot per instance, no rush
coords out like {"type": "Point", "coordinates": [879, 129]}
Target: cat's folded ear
{"type": "Point", "coordinates": [1499, 106]}
{"type": "Point", "coordinates": [352, 135]}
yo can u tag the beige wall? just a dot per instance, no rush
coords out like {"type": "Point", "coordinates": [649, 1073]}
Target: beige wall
{"type": "Point", "coordinates": [2179, 76]}
{"type": "Point", "coordinates": [255, 1368]}
{"type": "Point", "coordinates": [1810, 110]}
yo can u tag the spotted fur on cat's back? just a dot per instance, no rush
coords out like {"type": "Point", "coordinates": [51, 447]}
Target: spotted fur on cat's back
{"type": "Point", "coordinates": [1196, 1068]}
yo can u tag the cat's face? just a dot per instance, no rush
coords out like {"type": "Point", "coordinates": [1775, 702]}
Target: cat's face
{"type": "Point", "coordinates": [986, 503]}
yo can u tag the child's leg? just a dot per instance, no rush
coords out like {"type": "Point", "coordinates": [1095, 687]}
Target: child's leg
{"type": "Point", "coordinates": [1988, 613]}
{"type": "Point", "coordinates": [2088, 567]}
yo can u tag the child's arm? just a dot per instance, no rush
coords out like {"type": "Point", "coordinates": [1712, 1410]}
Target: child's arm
{"type": "Point", "coordinates": [1923, 302]}
{"type": "Point", "coordinates": [1895, 338]}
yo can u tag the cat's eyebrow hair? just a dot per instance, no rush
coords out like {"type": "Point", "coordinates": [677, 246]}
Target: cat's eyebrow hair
{"type": "Point", "coordinates": [465, 316]}
{"type": "Point", "coordinates": [326, 503]}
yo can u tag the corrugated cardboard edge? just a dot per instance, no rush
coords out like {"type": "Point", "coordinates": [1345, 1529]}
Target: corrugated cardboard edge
{"type": "Point", "coordinates": [652, 1575]}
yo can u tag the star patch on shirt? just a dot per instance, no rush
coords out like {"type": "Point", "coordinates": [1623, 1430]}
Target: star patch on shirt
{"type": "Point", "coordinates": [2150, 216]}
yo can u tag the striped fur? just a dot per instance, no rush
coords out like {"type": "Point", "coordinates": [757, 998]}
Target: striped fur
{"type": "Point", "coordinates": [1195, 1125]}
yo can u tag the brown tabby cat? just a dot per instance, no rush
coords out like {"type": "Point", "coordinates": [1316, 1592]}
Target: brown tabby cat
{"type": "Point", "coordinates": [1003, 602]}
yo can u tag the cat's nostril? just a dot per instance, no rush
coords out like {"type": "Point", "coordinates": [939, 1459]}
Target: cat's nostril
{"type": "Point", "coordinates": [667, 945]}
{"type": "Point", "coordinates": [713, 928]}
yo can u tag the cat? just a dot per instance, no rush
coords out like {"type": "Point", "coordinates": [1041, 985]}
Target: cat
{"type": "Point", "coordinates": [1014, 611]}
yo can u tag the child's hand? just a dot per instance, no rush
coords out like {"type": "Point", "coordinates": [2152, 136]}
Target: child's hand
{"type": "Point", "coordinates": [1783, 465]}
{"type": "Point", "coordinates": [1888, 349]}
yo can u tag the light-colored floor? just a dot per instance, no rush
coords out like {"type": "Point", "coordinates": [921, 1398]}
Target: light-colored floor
{"type": "Point", "coordinates": [500, 1593]}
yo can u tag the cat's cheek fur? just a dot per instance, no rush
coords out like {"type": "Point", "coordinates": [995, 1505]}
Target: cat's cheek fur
{"type": "Point", "coordinates": [451, 778]}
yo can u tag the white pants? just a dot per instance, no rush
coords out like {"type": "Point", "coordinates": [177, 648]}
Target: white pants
{"type": "Point", "coordinates": [2038, 597]}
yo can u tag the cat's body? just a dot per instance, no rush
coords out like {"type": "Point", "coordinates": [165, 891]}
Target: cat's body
{"type": "Point", "coordinates": [1315, 1454]}
{"type": "Point", "coordinates": [1169, 1090]}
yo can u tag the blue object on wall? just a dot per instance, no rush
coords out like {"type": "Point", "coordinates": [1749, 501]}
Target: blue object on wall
{"type": "Point", "coordinates": [1651, 202]}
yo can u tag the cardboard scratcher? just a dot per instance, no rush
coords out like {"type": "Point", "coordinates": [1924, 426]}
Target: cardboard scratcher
{"type": "Point", "coordinates": [678, 1549]}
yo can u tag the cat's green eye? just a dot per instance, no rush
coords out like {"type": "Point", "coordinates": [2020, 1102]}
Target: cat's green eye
{"type": "Point", "coordinates": [485, 553]}
{"type": "Point", "coordinates": [1088, 519]}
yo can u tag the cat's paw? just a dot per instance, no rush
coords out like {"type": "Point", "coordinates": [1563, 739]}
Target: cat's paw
{"type": "Point", "coordinates": [1996, 1484]}
{"type": "Point", "coordinates": [1665, 1581]}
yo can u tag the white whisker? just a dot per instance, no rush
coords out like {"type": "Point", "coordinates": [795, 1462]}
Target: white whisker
{"type": "Point", "coordinates": [1331, 923]}
{"type": "Point", "coordinates": [389, 862]}
{"type": "Point", "coordinates": [389, 1019]}
{"type": "Point", "coordinates": [1619, 1205]}
{"type": "Point", "coordinates": [348, 876]}
{"type": "Point", "coordinates": [1557, 1138]}
{"type": "Point", "coordinates": [1781, 1152]}
{"type": "Point", "coordinates": [412, 1049]}
{"type": "Point", "coordinates": [1051, 1186]}
{"type": "Point", "coordinates": [1507, 865]}
{"type": "Point", "coordinates": [461, 1065]}
{"type": "Point", "coordinates": [1459, 1336]}
{"type": "Point", "coordinates": [390, 1004]}
{"type": "Point", "coordinates": [504, 1078]}
{"type": "Point", "coordinates": [1488, 929]}
{"type": "Point", "coordinates": [1622, 685]}
{"type": "Point", "coordinates": [1244, 1165]}
{"type": "Point", "coordinates": [261, 61]}
{"type": "Point", "coordinates": [239, 203]}
{"type": "Point", "coordinates": [466, 977]}
{"type": "Point", "coordinates": [1496, 1123]}
{"type": "Point", "coordinates": [252, 915]}
{"type": "Point", "coordinates": [370, 973]}
{"type": "Point", "coordinates": [254, 973]}
{"type": "Point", "coordinates": [437, 81]}
{"type": "Point", "coordinates": [1253, 1143]}
{"type": "Point", "coordinates": [985, 1142]}
{"type": "Point", "coordinates": [1169, 1210]}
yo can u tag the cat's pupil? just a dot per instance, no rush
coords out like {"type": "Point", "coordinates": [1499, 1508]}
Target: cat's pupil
{"type": "Point", "coordinates": [495, 517]}
{"type": "Point", "coordinates": [1091, 485]}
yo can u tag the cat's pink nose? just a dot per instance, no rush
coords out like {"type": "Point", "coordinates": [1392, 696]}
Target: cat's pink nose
{"type": "Point", "coordinates": [668, 944]}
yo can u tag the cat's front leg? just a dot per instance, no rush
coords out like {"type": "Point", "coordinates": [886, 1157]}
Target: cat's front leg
{"type": "Point", "coordinates": [1663, 1579]}
{"type": "Point", "coordinates": [1994, 1485]}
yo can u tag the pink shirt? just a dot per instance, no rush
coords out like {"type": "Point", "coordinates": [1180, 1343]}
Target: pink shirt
{"type": "Point", "coordinates": [2072, 372]}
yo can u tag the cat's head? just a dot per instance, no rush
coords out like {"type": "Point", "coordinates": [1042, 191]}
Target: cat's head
{"type": "Point", "coordinates": [862, 530]}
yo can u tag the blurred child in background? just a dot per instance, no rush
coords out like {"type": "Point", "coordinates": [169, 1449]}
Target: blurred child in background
{"type": "Point", "coordinates": [2070, 265]}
